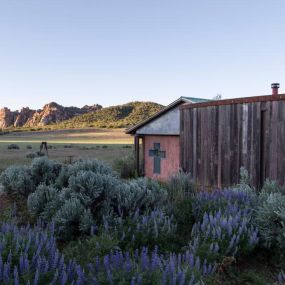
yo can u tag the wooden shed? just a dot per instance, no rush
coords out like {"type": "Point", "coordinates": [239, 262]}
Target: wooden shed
{"type": "Point", "coordinates": [217, 138]}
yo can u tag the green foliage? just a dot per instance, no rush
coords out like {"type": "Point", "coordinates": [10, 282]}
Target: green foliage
{"type": "Point", "coordinates": [67, 171]}
{"type": "Point", "coordinates": [179, 186]}
{"type": "Point", "coordinates": [17, 180]}
{"type": "Point", "coordinates": [244, 176]}
{"type": "Point", "coordinates": [92, 165]}
{"type": "Point", "coordinates": [31, 155]}
{"type": "Point", "coordinates": [96, 191]}
{"type": "Point", "coordinates": [251, 277]}
{"type": "Point", "coordinates": [184, 217]}
{"type": "Point", "coordinates": [41, 202]}
{"type": "Point", "coordinates": [271, 186]}
{"type": "Point", "coordinates": [125, 167]}
{"type": "Point", "coordinates": [270, 220]}
{"type": "Point", "coordinates": [115, 116]}
{"type": "Point", "coordinates": [84, 250]}
{"type": "Point", "coordinates": [8, 214]}
{"type": "Point", "coordinates": [45, 170]}
{"type": "Point", "coordinates": [244, 183]}
{"type": "Point", "coordinates": [141, 194]}
{"type": "Point", "coordinates": [70, 218]}
{"type": "Point", "coordinates": [77, 195]}
{"type": "Point", "coordinates": [151, 229]}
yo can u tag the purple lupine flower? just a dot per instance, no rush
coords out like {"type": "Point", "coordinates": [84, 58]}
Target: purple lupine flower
{"type": "Point", "coordinates": [181, 278]}
{"type": "Point", "coordinates": [281, 277]}
{"type": "Point", "coordinates": [80, 274]}
{"type": "Point", "coordinates": [63, 278]}
{"type": "Point", "coordinates": [110, 276]}
{"type": "Point", "coordinates": [16, 276]}
{"type": "Point", "coordinates": [1, 266]}
{"type": "Point", "coordinates": [133, 281]}
{"type": "Point", "coordinates": [106, 262]}
{"type": "Point", "coordinates": [36, 278]}
{"type": "Point", "coordinates": [6, 272]}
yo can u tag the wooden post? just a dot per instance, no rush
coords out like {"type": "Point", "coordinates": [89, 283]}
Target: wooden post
{"type": "Point", "coordinates": [143, 158]}
{"type": "Point", "coordinates": [137, 154]}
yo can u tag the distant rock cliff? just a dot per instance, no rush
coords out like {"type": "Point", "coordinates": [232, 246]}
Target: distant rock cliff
{"type": "Point", "coordinates": [23, 116]}
{"type": "Point", "coordinates": [51, 113]}
{"type": "Point", "coordinates": [7, 118]}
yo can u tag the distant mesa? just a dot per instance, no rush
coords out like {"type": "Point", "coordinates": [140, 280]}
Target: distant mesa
{"type": "Point", "coordinates": [51, 113]}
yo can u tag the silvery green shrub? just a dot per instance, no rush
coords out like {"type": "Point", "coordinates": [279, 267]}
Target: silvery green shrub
{"type": "Point", "coordinates": [72, 218]}
{"type": "Point", "coordinates": [90, 165]}
{"type": "Point", "coordinates": [179, 186]}
{"type": "Point", "coordinates": [244, 183]}
{"type": "Point", "coordinates": [270, 220]}
{"type": "Point", "coordinates": [141, 194]}
{"type": "Point", "coordinates": [45, 170]}
{"type": "Point", "coordinates": [41, 203]}
{"type": "Point", "coordinates": [77, 195]}
{"type": "Point", "coordinates": [17, 180]}
{"type": "Point", "coordinates": [271, 186]}
{"type": "Point", "coordinates": [92, 184]}
{"type": "Point", "coordinates": [70, 170]}
{"type": "Point", "coordinates": [99, 192]}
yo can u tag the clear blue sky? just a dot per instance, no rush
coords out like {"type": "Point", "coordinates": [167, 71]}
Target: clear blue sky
{"type": "Point", "coordinates": [78, 52]}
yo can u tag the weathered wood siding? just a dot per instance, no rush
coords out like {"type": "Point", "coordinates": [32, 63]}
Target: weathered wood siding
{"type": "Point", "coordinates": [216, 140]}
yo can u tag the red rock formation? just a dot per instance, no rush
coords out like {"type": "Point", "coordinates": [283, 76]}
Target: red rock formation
{"type": "Point", "coordinates": [7, 118]}
{"type": "Point", "coordinates": [24, 115]}
{"type": "Point", "coordinates": [51, 113]}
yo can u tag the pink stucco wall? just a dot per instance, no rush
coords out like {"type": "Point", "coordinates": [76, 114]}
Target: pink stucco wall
{"type": "Point", "coordinates": [170, 164]}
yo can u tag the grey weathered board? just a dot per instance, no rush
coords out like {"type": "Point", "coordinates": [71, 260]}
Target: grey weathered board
{"type": "Point", "coordinates": [216, 140]}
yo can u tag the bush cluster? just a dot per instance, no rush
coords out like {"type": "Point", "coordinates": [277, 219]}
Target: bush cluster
{"type": "Point", "coordinates": [136, 231]}
{"type": "Point", "coordinates": [13, 146]}
{"type": "Point", "coordinates": [270, 220]}
{"type": "Point", "coordinates": [18, 180]}
{"type": "Point", "coordinates": [78, 195]}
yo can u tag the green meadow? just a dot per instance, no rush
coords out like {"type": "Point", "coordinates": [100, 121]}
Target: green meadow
{"type": "Point", "coordinates": [66, 145]}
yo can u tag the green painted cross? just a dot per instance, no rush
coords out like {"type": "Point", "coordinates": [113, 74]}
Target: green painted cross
{"type": "Point", "coordinates": [157, 155]}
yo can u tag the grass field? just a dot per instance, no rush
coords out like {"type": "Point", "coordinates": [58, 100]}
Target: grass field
{"type": "Point", "coordinates": [103, 144]}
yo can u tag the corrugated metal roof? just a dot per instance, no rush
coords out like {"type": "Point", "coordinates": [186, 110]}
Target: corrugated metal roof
{"type": "Point", "coordinates": [196, 100]}
{"type": "Point", "coordinates": [179, 101]}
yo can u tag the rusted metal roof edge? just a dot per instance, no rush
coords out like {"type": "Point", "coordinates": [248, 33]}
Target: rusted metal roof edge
{"type": "Point", "coordinates": [263, 98]}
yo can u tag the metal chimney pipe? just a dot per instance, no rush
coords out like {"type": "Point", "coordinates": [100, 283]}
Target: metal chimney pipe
{"type": "Point", "coordinates": [275, 87]}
